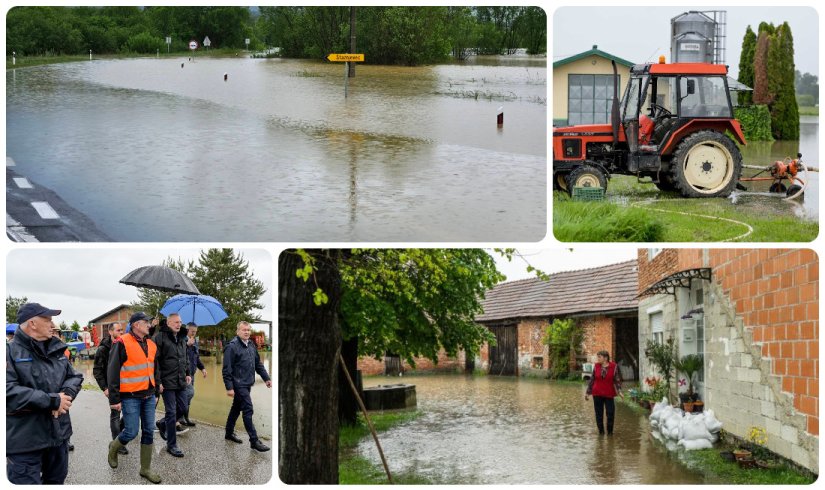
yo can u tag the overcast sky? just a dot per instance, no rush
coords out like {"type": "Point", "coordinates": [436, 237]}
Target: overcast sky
{"type": "Point", "coordinates": [641, 34]}
{"type": "Point", "coordinates": [562, 259]}
{"type": "Point", "coordinates": [84, 283]}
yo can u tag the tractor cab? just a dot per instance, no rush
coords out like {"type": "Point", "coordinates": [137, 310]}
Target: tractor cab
{"type": "Point", "coordinates": [660, 100]}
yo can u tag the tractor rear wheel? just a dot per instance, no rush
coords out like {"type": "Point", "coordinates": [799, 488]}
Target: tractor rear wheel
{"type": "Point", "coordinates": [586, 176]}
{"type": "Point", "coordinates": [706, 164]}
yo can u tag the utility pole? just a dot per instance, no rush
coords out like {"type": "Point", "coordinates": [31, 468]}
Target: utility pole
{"type": "Point", "coordinates": [351, 40]}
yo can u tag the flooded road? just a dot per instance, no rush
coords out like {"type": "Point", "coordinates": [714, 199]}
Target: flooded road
{"type": "Point", "coordinates": [211, 404]}
{"type": "Point", "coordinates": [153, 151]}
{"type": "Point", "coordinates": [492, 430]}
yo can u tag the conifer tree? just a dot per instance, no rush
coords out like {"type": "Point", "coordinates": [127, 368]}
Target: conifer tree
{"type": "Point", "coordinates": [746, 65]}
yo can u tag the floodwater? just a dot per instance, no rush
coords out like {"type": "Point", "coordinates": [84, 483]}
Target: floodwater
{"type": "Point", "coordinates": [211, 405]}
{"type": "Point", "coordinates": [498, 430]}
{"type": "Point", "coordinates": [763, 153]}
{"type": "Point", "coordinates": [152, 151]}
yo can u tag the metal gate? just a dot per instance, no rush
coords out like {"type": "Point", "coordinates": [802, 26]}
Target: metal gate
{"type": "Point", "coordinates": [503, 354]}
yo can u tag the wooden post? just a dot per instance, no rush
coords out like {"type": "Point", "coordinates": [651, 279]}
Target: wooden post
{"type": "Point", "coordinates": [367, 417]}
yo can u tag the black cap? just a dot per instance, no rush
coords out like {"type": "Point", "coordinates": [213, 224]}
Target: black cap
{"type": "Point", "coordinates": [136, 317]}
{"type": "Point", "coordinates": [31, 310]}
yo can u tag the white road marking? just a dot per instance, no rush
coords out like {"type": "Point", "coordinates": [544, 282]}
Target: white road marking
{"type": "Point", "coordinates": [45, 210]}
{"type": "Point", "coordinates": [16, 232]}
{"type": "Point", "coordinates": [10, 162]}
{"type": "Point", "coordinates": [22, 183]}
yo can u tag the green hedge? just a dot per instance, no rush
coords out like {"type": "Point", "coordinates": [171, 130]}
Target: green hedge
{"type": "Point", "coordinates": [756, 122]}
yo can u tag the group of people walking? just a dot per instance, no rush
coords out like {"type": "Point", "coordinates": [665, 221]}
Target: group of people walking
{"type": "Point", "coordinates": [132, 369]}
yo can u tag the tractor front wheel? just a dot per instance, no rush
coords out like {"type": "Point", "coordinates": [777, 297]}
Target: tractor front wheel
{"type": "Point", "coordinates": [706, 164]}
{"type": "Point", "coordinates": [586, 176]}
{"type": "Point", "coordinates": [560, 182]}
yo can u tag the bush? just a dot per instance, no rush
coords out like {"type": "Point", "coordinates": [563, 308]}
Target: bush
{"type": "Point", "coordinates": [143, 43]}
{"type": "Point", "coordinates": [603, 222]}
{"type": "Point", "coordinates": [756, 122]}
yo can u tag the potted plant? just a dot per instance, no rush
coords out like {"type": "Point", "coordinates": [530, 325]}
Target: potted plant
{"type": "Point", "coordinates": [689, 365]}
{"type": "Point", "coordinates": [663, 357]}
{"type": "Point", "coordinates": [758, 439]}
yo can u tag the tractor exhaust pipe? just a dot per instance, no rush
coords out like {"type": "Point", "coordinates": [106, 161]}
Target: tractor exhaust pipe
{"type": "Point", "coordinates": [614, 109]}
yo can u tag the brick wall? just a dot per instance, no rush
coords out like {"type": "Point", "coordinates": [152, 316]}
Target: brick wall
{"type": "Point", "coordinates": [101, 326]}
{"type": "Point", "coordinates": [664, 264]}
{"type": "Point", "coordinates": [530, 333]}
{"type": "Point", "coordinates": [599, 334]}
{"type": "Point", "coordinates": [371, 367]}
{"type": "Point", "coordinates": [761, 337]}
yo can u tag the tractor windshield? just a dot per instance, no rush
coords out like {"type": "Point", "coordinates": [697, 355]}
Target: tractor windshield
{"type": "Point", "coordinates": [633, 96]}
{"type": "Point", "coordinates": [703, 96]}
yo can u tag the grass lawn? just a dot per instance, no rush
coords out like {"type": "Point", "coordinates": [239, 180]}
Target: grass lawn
{"type": "Point", "coordinates": [636, 212]}
{"type": "Point", "coordinates": [808, 111]}
{"type": "Point", "coordinates": [709, 462]}
{"type": "Point", "coordinates": [357, 470]}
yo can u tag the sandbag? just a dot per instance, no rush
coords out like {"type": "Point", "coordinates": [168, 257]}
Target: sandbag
{"type": "Point", "coordinates": [711, 422]}
{"type": "Point", "coordinates": [691, 445]}
{"type": "Point", "coordinates": [694, 428]}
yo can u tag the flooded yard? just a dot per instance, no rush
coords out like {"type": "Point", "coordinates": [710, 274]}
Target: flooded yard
{"type": "Point", "coordinates": [166, 150]}
{"type": "Point", "coordinates": [498, 430]}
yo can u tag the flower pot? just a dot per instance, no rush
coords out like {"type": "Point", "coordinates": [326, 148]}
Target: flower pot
{"type": "Point", "coordinates": [767, 464]}
{"type": "Point", "coordinates": [746, 463]}
{"type": "Point", "coordinates": [687, 407]}
{"type": "Point", "coordinates": [728, 456]}
{"type": "Point", "coordinates": [741, 454]}
{"type": "Point", "coordinates": [698, 406]}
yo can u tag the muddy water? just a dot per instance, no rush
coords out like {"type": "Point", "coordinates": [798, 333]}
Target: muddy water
{"type": "Point", "coordinates": [153, 151]}
{"type": "Point", "coordinates": [211, 404]}
{"type": "Point", "coordinates": [763, 153]}
{"type": "Point", "coordinates": [507, 430]}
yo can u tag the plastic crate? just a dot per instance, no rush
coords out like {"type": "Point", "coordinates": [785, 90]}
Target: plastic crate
{"type": "Point", "coordinates": [588, 194]}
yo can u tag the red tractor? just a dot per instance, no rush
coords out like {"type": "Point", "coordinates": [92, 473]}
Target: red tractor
{"type": "Point", "coordinates": [672, 126]}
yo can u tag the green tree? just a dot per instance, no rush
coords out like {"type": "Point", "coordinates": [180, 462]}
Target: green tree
{"type": "Point", "coordinates": [761, 92]}
{"type": "Point", "coordinates": [225, 275]}
{"type": "Point", "coordinates": [409, 302]}
{"type": "Point", "coordinates": [564, 339]}
{"type": "Point", "coordinates": [807, 84]}
{"type": "Point", "coordinates": [664, 357]}
{"type": "Point", "coordinates": [13, 304]}
{"type": "Point", "coordinates": [781, 70]}
{"type": "Point", "coordinates": [746, 60]}
{"type": "Point", "coordinates": [75, 327]}
{"type": "Point", "coordinates": [531, 29]}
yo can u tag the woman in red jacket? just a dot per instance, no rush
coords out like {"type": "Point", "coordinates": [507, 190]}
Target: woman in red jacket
{"type": "Point", "coordinates": [605, 384]}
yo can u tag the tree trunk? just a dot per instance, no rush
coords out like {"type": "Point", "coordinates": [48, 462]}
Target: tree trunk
{"type": "Point", "coordinates": [348, 405]}
{"type": "Point", "coordinates": [309, 339]}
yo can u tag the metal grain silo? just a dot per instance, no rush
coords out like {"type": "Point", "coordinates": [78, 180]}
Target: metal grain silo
{"type": "Point", "coordinates": [692, 38]}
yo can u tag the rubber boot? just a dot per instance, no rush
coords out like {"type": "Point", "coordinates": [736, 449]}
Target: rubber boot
{"type": "Point", "coordinates": [146, 463]}
{"type": "Point", "coordinates": [114, 447]}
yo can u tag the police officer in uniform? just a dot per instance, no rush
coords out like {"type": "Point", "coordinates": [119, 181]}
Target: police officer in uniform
{"type": "Point", "coordinates": [40, 387]}
{"type": "Point", "coordinates": [133, 388]}
{"type": "Point", "coordinates": [240, 363]}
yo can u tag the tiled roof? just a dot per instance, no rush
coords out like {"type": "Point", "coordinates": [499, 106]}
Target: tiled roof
{"type": "Point", "coordinates": [596, 290]}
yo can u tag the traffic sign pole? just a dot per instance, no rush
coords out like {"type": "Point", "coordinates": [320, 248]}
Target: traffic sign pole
{"type": "Point", "coordinates": [346, 58]}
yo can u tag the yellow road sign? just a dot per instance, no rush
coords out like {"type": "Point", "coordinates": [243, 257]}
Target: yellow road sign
{"type": "Point", "coordinates": [345, 57]}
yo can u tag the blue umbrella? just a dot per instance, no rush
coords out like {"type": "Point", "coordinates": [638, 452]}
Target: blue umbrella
{"type": "Point", "coordinates": [10, 328]}
{"type": "Point", "coordinates": [198, 308]}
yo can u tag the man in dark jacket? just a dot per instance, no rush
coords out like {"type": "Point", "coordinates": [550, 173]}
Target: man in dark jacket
{"type": "Point", "coordinates": [240, 363]}
{"type": "Point", "coordinates": [175, 375]}
{"type": "Point", "coordinates": [194, 358]}
{"type": "Point", "coordinates": [40, 387]}
{"type": "Point", "coordinates": [99, 371]}
{"type": "Point", "coordinates": [132, 375]}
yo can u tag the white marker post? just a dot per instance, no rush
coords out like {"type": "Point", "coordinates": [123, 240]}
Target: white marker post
{"type": "Point", "coordinates": [14, 58]}
{"type": "Point", "coordinates": [207, 43]}
{"type": "Point", "coordinates": [168, 42]}
{"type": "Point", "coordinates": [90, 55]}
{"type": "Point", "coordinates": [247, 43]}
{"type": "Point", "coordinates": [500, 117]}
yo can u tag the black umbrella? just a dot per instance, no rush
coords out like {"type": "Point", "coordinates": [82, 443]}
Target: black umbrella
{"type": "Point", "coordinates": [161, 278]}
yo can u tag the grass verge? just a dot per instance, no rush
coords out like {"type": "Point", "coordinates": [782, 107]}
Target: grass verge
{"type": "Point", "coordinates": [808, 111]}
{"type": "Point", "coordinates": [26, 61]}
{"type": "Point", "coordinates": [710, 463]}
{"type": "Point", "coordinates": [357, 470]}
{"type": "Point", "coordinates": [659, 221]}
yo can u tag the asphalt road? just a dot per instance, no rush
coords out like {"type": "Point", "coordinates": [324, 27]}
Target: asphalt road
{"type": "Point", "coordinates": [209, 458]}
{"type": "Point", "coordinates": [35, 213]}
